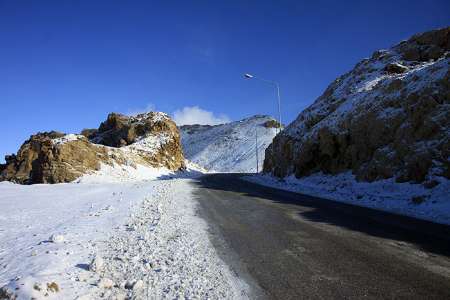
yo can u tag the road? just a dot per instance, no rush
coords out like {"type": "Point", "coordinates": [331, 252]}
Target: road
{"type": "Point", "coordinates": [291, 246]}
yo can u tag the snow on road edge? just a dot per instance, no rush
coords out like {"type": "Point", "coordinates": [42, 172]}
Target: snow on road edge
{"type": "Point", "coordinates": [402, 198]}
{"type": "Point", "coordinates": [164, 252]}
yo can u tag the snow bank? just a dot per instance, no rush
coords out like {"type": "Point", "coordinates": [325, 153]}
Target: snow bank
{"type": "Point", "coordinates": [123, 173]}
{"type": "Point", "coordinates": [145, 233]}
{"type": "Point", "coordinates": [84, 214]}
{"type": "Point", "coordinates": [402, 198]}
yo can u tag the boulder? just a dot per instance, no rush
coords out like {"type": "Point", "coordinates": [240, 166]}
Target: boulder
{"type": "Point", "coordinates": [395, 68]}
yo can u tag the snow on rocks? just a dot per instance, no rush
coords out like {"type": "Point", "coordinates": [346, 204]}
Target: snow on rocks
{"type": "Point", "coordinates": [105, 283]}
{"type": "Point", "coordinates": [97, 264]}
{"type": "Point", "coordinates": [56, 238]}
{"type": "Point", "coordinates": [67, 138]}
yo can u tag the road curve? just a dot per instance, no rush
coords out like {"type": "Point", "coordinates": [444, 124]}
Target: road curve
{"type": "Point", "coordinates": [292, 246]}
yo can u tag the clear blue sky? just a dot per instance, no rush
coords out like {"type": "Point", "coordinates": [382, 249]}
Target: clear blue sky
{"type": "Point", "coordinates": [65, 65]}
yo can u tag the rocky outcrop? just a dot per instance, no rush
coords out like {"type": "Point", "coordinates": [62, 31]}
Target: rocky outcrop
{"type": "Point", "coordinates": [388, 117]}
{"type": "Point", "coordinates": [150, 139]}
{"type": "Point", "coordinates": [271, 124]}
{"type": "Point", "coordinates": [49, 157]}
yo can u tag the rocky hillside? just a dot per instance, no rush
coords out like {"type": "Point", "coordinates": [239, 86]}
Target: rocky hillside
{"type": "Point", "coordinates": [228, 147]}
{"type": "Point", "coordinates": [388, 117]}
{"type": "Point", "coordinates": [150, 139]}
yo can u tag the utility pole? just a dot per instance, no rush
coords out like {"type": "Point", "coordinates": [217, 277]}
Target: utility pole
{"type": "Point", "coordinates": [256, 149]}
{"type": "Point", "coordinates": [279, 105]}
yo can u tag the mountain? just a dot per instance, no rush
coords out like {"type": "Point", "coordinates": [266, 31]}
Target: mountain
{"type": "Point", "coordinates": [151, 139]}
{"type": "Point", "coordinates": [389, 117]}
{"type": "Point", "coordinates": [229, 147]}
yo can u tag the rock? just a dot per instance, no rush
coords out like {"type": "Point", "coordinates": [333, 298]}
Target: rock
{"type": "Point", "coordinates": [119, 296]}
{"type": "Point", "coordinates": [83, 276]}
{"type": "Point", "coordinates": [56, 238]}
{"type": "Point", "coordinates": [97, 264]}
{"type": "Point", "coordinates": [105, 283]}
{"type": "Point", "coordinates": [89, 133]}
{"type": "Point", "coordinates": [52, 287]}
{"type": "Point", "coordinates": [138, 285]}
{"type": "Point", "coordinates": [395, 68]}
{"type": "Point", "coordinates": [42, 160]}
{"type": "Point", "coordinates": [152, 139]}
{"type": "Point", "coordinates": [272, 124]}
{"type": "Point", "coordinates": [7, 294]}
{"type": "Point", "coordinates": [430, 184]}
{"type": "Point", "coordinates": [129, 284]}
{"type": "Point", "coordinates": [418, 199]}
{"type": "Point", "coordinates": [397, 127]}
{"type": "Point", "coordinates": [429, 45]}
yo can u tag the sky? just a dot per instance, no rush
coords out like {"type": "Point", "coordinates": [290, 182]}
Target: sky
{"type": "Point", "coordinates": [64, 65]}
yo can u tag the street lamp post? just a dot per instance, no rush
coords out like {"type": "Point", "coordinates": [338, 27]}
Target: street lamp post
{"type": "Point", "coordinates": [277, 86]}
{"type": "Point", "coordinates": [256, 149]}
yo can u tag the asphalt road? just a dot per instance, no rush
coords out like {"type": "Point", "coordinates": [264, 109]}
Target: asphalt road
{"type": "Point", "coordinates": [291, 246]}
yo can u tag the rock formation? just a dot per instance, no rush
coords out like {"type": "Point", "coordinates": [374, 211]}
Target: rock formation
{"type": "Point", "coordinates": [388, 117]}
{"type": "Point", "coordinates": [150, 139]}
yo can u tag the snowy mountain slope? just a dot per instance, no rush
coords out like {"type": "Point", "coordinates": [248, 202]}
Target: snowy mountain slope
{"type": "Point", "coordinates": [228, 147]}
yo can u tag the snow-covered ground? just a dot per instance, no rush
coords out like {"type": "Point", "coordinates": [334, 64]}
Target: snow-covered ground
{"type": "Point", "coordinates": [402, 198]}
{"type": "Point", "coordinates": [228, 147]}
{"type": "Point", "coordinates": [110, 235]}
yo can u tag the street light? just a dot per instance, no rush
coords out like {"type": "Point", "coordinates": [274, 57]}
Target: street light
{"type": "Point", "coordinates": [256, 149]}
{"type": "Point", "coordinates": [277, 86]}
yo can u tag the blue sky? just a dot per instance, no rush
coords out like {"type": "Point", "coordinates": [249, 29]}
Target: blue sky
{"type": "Point", "coordinates": [64, 65]}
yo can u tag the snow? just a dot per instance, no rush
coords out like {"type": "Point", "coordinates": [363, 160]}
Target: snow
{"type": "Point", "coordinates": [363, 87]}
{"type": "Point", "coordinates": [140, 223]}
{"type": "Point", "coordinates": [122, 173]}
{"type": "Point", "coordinates": [150, 143]}
{"type": "Point", "coordinates": [386, 195]}
{"type": "Point", "coordinates": [229, 147]}
{"type": "Point", "coordinates": [67, 138]}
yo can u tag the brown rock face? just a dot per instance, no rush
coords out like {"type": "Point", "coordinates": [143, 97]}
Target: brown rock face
{"type": "Point", "coordinates": [272, 124]}
{"type": "Point", "coordinates": [154, 136]}
{"type": "Point", "coordinates": [42, 160]}
{"type": "Point", "coordinates": [388, 117]}
{"type": "Point", "coordinates": [51, 157]}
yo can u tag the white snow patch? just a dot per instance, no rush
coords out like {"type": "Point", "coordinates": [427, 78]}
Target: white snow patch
{"type": "Point", "coordinates": [386, 195]}
{"type": "Point", "coordinates": [123, 173]}
{"type": "Point", "coordinates": [67, 138]}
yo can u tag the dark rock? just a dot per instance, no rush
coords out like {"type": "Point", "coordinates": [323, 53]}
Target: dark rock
{"type": "Point", "coordinates": [272, 124]}
{"type": "Point", "coordinates": [395, 68]}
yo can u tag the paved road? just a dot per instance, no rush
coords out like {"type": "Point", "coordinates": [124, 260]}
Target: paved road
{"type": "Point", "coordinates": [291, 246]}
